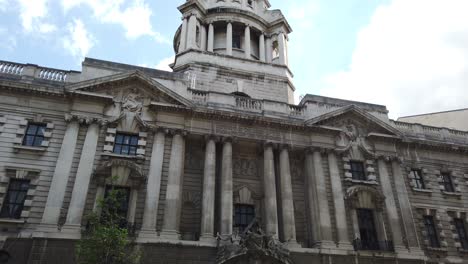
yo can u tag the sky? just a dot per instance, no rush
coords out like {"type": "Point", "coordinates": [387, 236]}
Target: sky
{"type": "Point", "coordinates": [410, 55]}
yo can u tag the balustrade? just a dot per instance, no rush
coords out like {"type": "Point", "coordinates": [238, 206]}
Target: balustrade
{"type": "Point", "coordinates": [249, 104]}
{"type": "Point", "coordinates": [11, 68]}
{"type": "Point", "coordinates": [52, 75]}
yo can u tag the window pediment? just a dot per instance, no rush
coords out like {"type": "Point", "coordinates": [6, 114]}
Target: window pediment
{"type": "Point", "coordinates": [120, 172]}
{"type": "Point", "coordinates": [365, 197]}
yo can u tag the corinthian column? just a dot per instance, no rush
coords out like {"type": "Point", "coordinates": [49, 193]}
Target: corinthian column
{"type": "Point", "coordinates": [262, 47]}
{"type": "Point", "coordinates": [226, 189]}
{"type": "Point", "coordinates": [83, 177]}
{"type": "Point", "coordinates": [61, 174]}
{"type": "Point", "coordinates": [338, 200]}
{"type": "Point", "coordinates": [287, 206]}
{"type": "Point", "coordinates": [192, 32]}
{"type": "Point", "coordinates": [210, 44]}
{"type": "Point", "coordinates": [229, 39]}
{"type": "Point", "coordinates": [247, 42]}
{"type": "Point", "coordinates": [269, 185]}
{"type": "Point", "coordinates": [173, 204]}
{"type": "Point", "coordinates": [153, 187]}
{"type": "Point", "coordinates": [208, 206]}
{"type": "Point", "coordinates": [183, 36]}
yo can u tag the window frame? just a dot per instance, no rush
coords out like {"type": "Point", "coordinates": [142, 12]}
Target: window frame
{"type": "Point", "coordinates": [447, 181]}
{"type": "Point", "coordinates": [358, 174]}
{"type": "Point", "coordinates": [431, 230]}
{"type": "Point", "coordinates": [120, 211]}
{"type": "Point", "coordinates": [4, 212]}
{"type": "Point", "coordinates": [236, 37]}
{"type": "Point", "coordinates": [238, 215]}
{"type": "Point", "coordinates": [36, 135]}
{"type": "Point", "coordinates": [418, 179]}
{"type": "Point", "coordinates": [460, 227]}
{"type": "Point", "coordinates": [129, 145]}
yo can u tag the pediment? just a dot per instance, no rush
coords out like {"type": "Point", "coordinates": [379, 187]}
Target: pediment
{"type": "Point", "coordinates": [128, 88]}
{"type": "Point", "coordinates": [354, 120]}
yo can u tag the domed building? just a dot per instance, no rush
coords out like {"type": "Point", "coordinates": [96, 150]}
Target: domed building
{"type": "Point", "coordinates": [218, 164]}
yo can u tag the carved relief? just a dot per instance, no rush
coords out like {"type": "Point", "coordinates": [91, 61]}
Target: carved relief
{"type": "Point", "coordinates": [247, 132]}
{"type": "Point", "coordinates": [353, 140]}
{"type": "Point", "coordinates": [245, 167]}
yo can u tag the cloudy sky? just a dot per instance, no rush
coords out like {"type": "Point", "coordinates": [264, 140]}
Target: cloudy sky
{"type": "Point", "coordinates": [411, 55]}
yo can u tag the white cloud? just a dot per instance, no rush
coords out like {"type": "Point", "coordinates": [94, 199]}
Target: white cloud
{"type": "Point", "coordinates": [32, 15]}
{"type": "Point", "coordinates": [79, 41]}
{"type": "Point", "coordinates": [7, 40]}
{"type": "Point", "coordinates": [164, 64]}
{"type": "Point", "coordinates": [133, 15]}
{"type": "Point", "coordinates": [412, 57]}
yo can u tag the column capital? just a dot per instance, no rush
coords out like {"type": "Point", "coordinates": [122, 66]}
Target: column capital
{"type": "Point", "coordinates": [175, 131]}
{"type": "Point", "coordinates": [227, 139]}
{"type": "Point", "coordinates": [283, 146]}
{"type": "Point", "coordinates": [212, 137]}
{"type": "Point", "coordinates": [84, 120]}
{"type": "Point", "coordinates": [271, 144]}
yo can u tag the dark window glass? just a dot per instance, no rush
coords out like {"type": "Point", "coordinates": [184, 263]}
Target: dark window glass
{"type": "Point", "coordinates": [461, 230]}
{"type": "Point", "coordinates": [126, 144]}
{"type": "Point", "coordinates": [431, 231]}
{"type": "Point", "coordinates": [418, 179]}
{"type": "Point", "coordinates": [367, 229]}
{"type": "Point", "coordinates": [447, 181]}
{"type": "Point", "coordinates": [34, 135]}
{"type": "Point", "coordinates": [236, 41]}
{"type": "Point", "coordinates": [120, 208]}
{"type": "Point", "coordinates": [358, 170]}
{"type": "Point", "coordinates": [14, 199]}
{"type": "Point", "coordinates": [244, 215]}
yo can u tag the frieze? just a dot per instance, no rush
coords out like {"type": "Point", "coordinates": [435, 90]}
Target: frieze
{"type": "Point", "coordinates": [245, 167]}
{"type": "Point", "coordinates": [247, 132]}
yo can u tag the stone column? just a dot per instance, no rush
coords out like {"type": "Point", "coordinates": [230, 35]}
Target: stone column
{"type": "Point", "coordinates": [339, 202]}
{"type": "Point", "coordinates": [153, 186]}
{"type": "Point", "coordinates": [247, 48]}
{"type": "Point", "coordinates": [60, 178]}
{"type": "Point", "coordinates": [282, 49]}
{"type": "Point", "coordinates": [192, 32]}
{"type": "Point", "coordinates": [287, 206]}
{"type": "Point", "coordinates": [322, 197]}
{"type": "Point", "coordinates": [406, 210]}
{"type": "Point", "coordinates": [226, 189]}
{"type": "Point", "coordinates": [262, 47]}
{"type": "Point", "coordinates": [132, 203]}
{"type": "Point", "coordinates": [229, 39]}
{"type": "Point", "coordinates": [203, 37]}
{"type": "Point", "coordinates": [392, 212]}
{"type": "Point", "coordinates": [173, 203]}
{"type": "Point", "coordinates": [269, 50]}
{"type": "Point", "coordinates": [269, 185]}
{"type": "Point", "coordinates": [210, 38]}
{"type": "Point", "coordinates": [313, 212]}
{"type": "Point", "coordinates": [183, 36]}
{"type": "Point", "coordinates": [83, 177]}
{"type": "Point", "coordinates": [208, 202]}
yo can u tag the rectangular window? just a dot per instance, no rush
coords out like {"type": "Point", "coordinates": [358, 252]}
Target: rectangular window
{"type": "Point", "coordinates": [358, 170]}
{"type": "Point", "coordinates": [431, 231]}
{"type": "Point", "coordinates": [126, 144]}
{"type": "Point", "coordinates": [14, 199]}
{"type": "Point", "coordinates": [236, 41]}
{"type": "Point", "coordinates": [418, 179]}
{"type": "Point", "coordinates": [367, 229]}
{"type": "Point", "coordinates": [117, 208]}
{"type": "Point", "coordinates": [34, 135]}
{"type": "Point", "coordinates": [461, 230]}
{"type": "Point", "coordinates": [447, 181]}
{"type": "Point", "coordinates": [244, 215]}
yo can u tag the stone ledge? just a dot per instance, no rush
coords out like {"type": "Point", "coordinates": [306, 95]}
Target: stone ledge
{"type": "Point", "coordinates": [361, 182]}
{"type": "Point", "coordinates": [427, 191]}
{"type": "Point", "coordinates": [26, 148]}
{"type": "Point", "coordinates": [12, 221]}
{"type": "Point", "coordinates": [454, 194]}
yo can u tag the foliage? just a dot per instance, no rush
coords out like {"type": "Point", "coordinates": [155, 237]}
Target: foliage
{"type": "Point", "coordinates": [106, 239]}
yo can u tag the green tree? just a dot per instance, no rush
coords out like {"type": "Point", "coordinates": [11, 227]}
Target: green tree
{"type": "Point", "coordinates": [106, 239]}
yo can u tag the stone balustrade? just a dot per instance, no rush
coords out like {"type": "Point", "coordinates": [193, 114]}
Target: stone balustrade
{"type": "Point", "coordinates": [37, 72]}
{"type": "Point", "coordinates": [246, 103]}
{"type": "Point", "coordinates": [432, 133]}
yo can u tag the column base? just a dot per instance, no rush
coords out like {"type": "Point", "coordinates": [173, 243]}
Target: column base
{"type": "Point", "coordinates": [292, 244]}
{"type": "Point", "coordinates": [207, 238]}
{"type": "Point", "coordinates": [170, 235]}
{"type": "Point", "coordinates": [326, 244]}
{"type": "Point", "coordinates": [147, 236]}
{"type": "Point", "coordinates": [412, 253]}
{"type": "Point", "coordinates": [71, 231]}
{"type": "Point", "coordinates": [52, 231]}
{"type": "Point", "coordinates": [345, 245]}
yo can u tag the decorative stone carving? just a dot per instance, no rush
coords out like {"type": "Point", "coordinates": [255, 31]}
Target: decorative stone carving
{"type": "Point", "coordinates": [365, 197]}
{"type": "Point", "coordinates": [253, 244]}
{"type": "Point", "coordinates": [353, 142]}
{"type": "Point", "coordinates": [123, 172]}
{"type": "Point", "coordinates": [245, 167]}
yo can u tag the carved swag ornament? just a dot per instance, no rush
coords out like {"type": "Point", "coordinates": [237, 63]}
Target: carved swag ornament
{"type": "Point", "coordinates": [252, 245]}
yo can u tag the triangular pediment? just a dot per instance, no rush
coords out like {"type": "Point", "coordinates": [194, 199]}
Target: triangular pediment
{"type": "Point", "coordinates": [354, 118]}
{"type": "Point", "coordinates": [133, 84]}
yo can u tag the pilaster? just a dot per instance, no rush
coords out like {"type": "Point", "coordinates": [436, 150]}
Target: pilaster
{"type": "Point", "coordinates": [208, 201]}
{"type": "Point", "coordinates": [226, 189]}
{"type": "Point", "coordinates": [269, 185]}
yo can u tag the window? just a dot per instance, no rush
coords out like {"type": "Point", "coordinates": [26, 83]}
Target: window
{"type": "Point", "coordinates": [236, 41]}
{"type": "Point", "coordinates": [447, 181]}
{"type": "Point", "coordinates": [244, 215]}
{"type": "Point", "coordinates": [461, 230]}
{"type": "Point", "coordinates": [367, 229]}
{"type": "Point", "coordinates": [126, 144]}
{"type": "Point", "coordinates": [250, 3]}
{"type": "Point", "coordinates": [275, 49]}
{"type": "Point", "coordinates": [14, 199]}
{"type": "Point", "coordinates": [120, 206]}
{"type": "Point", "coordinates": [358, 170]}
{"type": "Point", "coordinates": [418, 180]}
{"type": "Point", "coordinates": [431, 231]}
{"type": "Point", "coordinates": [34, 135]}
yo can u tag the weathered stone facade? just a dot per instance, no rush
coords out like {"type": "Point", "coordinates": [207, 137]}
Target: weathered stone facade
{"type": "Point", "coordinates": [324, 181]}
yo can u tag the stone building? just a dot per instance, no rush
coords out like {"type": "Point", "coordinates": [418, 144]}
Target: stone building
{"type": "Point", "coordinates": [218, 164]}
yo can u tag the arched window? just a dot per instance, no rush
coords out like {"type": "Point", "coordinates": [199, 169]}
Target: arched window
{"type": "Point", "coordinates": [244, 214]}
{"type": "Point", "coordinates": [275, 48]}
{"type": "Point", "coordinates": [241, 94]}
